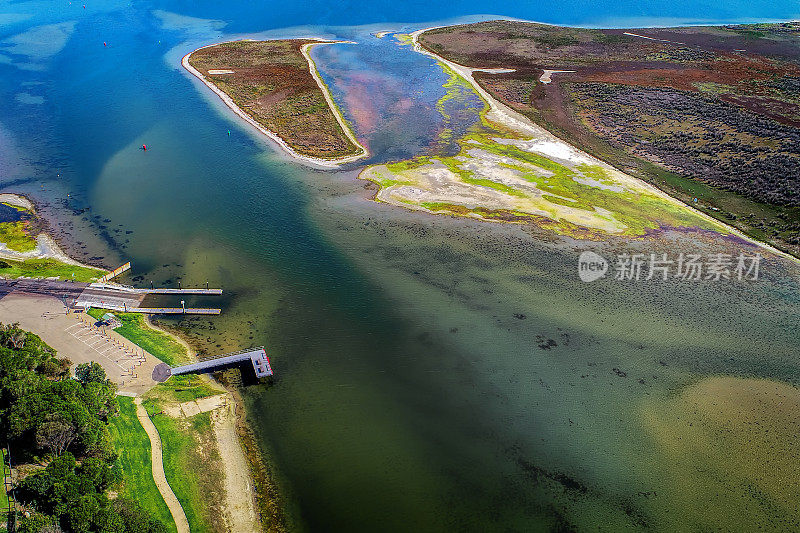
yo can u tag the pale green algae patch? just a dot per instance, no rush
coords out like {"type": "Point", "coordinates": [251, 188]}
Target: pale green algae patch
{"type": "Point", "coordinates": [493, 172]}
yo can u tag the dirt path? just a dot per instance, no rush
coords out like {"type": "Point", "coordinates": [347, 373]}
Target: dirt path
{"type": "Point", "coordinates": [158, 469]}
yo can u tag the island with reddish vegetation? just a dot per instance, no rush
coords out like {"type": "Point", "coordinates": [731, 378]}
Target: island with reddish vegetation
{"type": "Point", "coordinates": [274, 85]}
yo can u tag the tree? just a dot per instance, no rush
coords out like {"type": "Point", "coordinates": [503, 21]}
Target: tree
{"type": "Point", "coordinates": [81, 513]}
{"type": "Point", "coordinates": [43, 409]}
{"type": "Point", "coordinates": [90, 373]}
{"type": "Point", "coordinates": [56, 434]}
{"type": "Point", "coordinates": [38, 523]}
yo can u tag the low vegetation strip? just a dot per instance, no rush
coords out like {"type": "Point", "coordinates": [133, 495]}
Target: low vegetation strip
{"type": "Point", "coordinates": [156, 454]}
{"type": "Point", "coordinates": [47, 268]}
{"type": "Point", "coordinates": [184, 388]}
{"type": "Point", "coordinates": [6, 472]}
{"type": "Point", "coordinates": [192, 466]}
{"type": "Point", "coordinates": [275, 84]}
{"type": "Point", "coordinates": [134, 464]}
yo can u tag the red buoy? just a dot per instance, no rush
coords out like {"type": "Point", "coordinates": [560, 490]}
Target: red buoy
{"type": "Point", "coordinates": [104, 43]}
{"type": "Point", "coordinates": [144, 147]}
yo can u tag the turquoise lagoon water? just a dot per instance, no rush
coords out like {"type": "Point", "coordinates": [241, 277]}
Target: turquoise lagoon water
{"type": "Point", "coordinates": [412, 389]}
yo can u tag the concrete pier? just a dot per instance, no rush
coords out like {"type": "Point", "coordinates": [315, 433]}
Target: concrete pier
{"type": "Point", "coordinates": [257, 357]}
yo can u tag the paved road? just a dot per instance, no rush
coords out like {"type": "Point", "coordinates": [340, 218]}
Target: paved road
{"type": "Point", "coordinates": [72, 292]}
{"type": "Point", "coordinates": [63, 290]}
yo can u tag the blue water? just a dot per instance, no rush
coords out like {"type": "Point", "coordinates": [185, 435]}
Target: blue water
{"type": "Point", "coordinates": [409, 392]}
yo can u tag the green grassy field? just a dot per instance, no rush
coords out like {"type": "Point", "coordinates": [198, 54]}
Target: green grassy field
{"type": "Point", "coordinates": [3, 495]}
{"type": "Point", "coordinates": [14, 236]}
{"type": "Point", "coordinates": [191, 464]}
{"type": "Point", "coordinates": [134, 465]}
{"type": "Point", "coordinates": [135, 329]}
{"type": "Point", "coordinates": [48, 268]}
{"type": "Point", "coordinates": [183, 388]}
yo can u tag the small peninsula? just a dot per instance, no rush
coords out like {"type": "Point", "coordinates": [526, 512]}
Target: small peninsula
{"type": "Point", "coordinates": [28, 250]}
{"type": "Point", "coordinates": [274, 85]}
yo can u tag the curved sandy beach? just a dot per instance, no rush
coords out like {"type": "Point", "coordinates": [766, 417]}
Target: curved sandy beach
{"type": "Point", "coordinates": [46, 245]}
{"type": "Point", "coordinates": [317, 161]}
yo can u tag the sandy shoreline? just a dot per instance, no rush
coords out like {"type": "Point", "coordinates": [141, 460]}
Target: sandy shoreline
{"type": "Point", "coordinates": [317, 161]}
{"type": "Point", "coordinates": [505, 116]}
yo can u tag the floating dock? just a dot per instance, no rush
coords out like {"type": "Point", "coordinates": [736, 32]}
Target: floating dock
{"type": "Point", "coordinates": [129, 299]}
{"type": "Point", "coordinates": [175, 310]}
{"type": "Point", "coordinates": [215, 292]}
{"type": "Point", "coordinates": [107, 295]}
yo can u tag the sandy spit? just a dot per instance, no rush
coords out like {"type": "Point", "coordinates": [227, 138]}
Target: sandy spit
{"type": "Point", "coordinates": [17, 200]}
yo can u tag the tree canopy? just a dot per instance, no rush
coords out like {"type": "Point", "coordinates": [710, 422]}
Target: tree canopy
{"type": "Point", "coordinates": [49, 417]}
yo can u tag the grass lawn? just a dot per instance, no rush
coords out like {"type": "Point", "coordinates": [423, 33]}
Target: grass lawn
{"type": "Point", "coordinates": [3, 495]}
{"type": "Point", "coordinates": [191, 464]}
{"type": "Point", "coordinates": [134, 465]}
{"type": "Point", "coordinates": [14, 236]}
{"type": "Point", "coordinates": [135, 329]}
{"type": "Point", "coordinates": [184, 388]}
{"type": "Point", "coordinates": [48, 268]}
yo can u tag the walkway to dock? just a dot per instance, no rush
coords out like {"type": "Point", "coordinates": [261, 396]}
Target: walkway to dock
{"type": "Point", "coordinates": [129, 299]}
{"type": "Point", "coordinates": [157, 465]}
